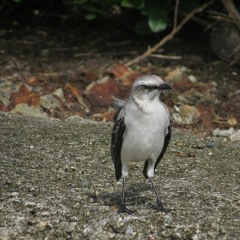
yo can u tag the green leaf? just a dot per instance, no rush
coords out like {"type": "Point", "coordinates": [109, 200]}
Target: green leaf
{"type": "Point", "coordinates": [138, 3]}
{"type": "Point", "coordinates": [133, 3]}
{"type": "Point", "coordinates": [126, 3]}
{"type": "Point", "coordinates": [157, 25]}
{"type": "Point", "coordinates": [90, 16]}
{"type": "Point", "coordinates": [157, 20]}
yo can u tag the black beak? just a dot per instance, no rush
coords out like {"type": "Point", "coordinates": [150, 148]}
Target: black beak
{"type": "Point", "coordinates": [164, 86]}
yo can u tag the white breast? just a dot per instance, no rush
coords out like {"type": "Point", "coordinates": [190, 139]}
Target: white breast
{"type": "Point", "coordinates": [144, 137]}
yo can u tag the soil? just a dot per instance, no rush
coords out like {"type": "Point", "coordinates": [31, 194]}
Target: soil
{"type": "Point", "coordinates": [57, 181]}
{"type": "Point", "coordinates": [84, 54]}
{"type": "Point", "coordinates": [51, 186]}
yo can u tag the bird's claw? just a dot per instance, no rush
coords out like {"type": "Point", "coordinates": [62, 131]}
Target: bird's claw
{"type": "Point", "coordinates": [124, 209]}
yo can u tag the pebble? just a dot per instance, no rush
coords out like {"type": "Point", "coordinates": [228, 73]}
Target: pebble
{"type": "Point", "coordinates": [129, 230]}
{"type": "Point", "coordinates": [70, 227]}
{"type": "Point", "coordinates": [223, 133]}
{"type": "Point", "coordinates": [45, 214]}
{"type": "Point", "coordinates": [25, 110]}
{"type": "Point", "coordinates": [42, 225]}
{"type": "Point", "coordinates": [30, 204]}
{"type": "Point", "coordinates": [192, 78]}
{"type": "Point", "coordinates": [50, 102]}
{"type": "Point", "coordinates": [187, 115]}
{"type": "Point", "coordinates": [235, 136]}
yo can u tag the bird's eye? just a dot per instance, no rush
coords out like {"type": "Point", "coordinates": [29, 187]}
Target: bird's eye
{"type": "Point", "coordinates": [144, 87]}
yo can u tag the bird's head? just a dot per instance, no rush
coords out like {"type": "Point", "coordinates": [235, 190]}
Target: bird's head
{"type": "Point", "coordinates": [148, 87]}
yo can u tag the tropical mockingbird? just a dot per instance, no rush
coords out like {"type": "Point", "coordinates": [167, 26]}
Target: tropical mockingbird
{"type": "Point", "coordinates": [141, 131]}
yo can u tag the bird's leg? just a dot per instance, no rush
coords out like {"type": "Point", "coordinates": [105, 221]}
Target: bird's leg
{"type": "Point", "coordinates": [159, 206]}
{"type": "Point", "coordinates": [123, 207]}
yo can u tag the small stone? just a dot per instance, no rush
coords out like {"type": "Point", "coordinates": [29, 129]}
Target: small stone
{"type": "Point", "coordinates": [30, 204]}
{"type": "Point", "coordinates": [42, 225]}
{"type": "Point", "coordinates": [168, 221]}
{"type": "Point", "coordinates": [187, 115]}
{"type": "Point", "coordinates": [223, 133]}
{"type": "Point", "coordinates": [235, 136]}
{"type": "Point", "coordinates": [8, 181]}
{"type": "Point", "coordinates": [192, 78]}
{"type": "Point", "coordinates": [129, 230]}
{"type": "Point", "coordinates": [72, 190]}
{"type": "Point", "coordinates": [59, 93]}
{"type": "Point", "coordinates": [45, 214]}
{"type": "Point", "coordinates": [26, 110]}
{"type": "Point", "coordinates": [70, 227]}
{"type": "Point", "coordinates": [50, 102]}
{"type": "Point", "coordinates": [210, 145]}
{"type": "Point", "coordinates": [86, 231]}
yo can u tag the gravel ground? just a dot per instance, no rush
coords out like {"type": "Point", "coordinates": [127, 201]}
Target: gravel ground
{"type": "Point", "coordinates": [57, 182]}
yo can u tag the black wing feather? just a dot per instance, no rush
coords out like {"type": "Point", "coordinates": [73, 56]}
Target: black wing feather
{"type": "Point", "coordinates": [166, 142]}
{"type": "Point", "coordinates": [116, 143]}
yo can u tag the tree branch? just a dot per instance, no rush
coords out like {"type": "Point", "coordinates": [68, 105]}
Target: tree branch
{"type": "Point", "coordinates": [231, 9]}
{"type": "Point", "coordinates": [174, 31]}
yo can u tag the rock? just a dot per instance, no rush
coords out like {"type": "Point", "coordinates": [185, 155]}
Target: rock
{"type": "Point", "coordinates": [6, 88]}
{"type": "Point", "coordinates": [50, 102]}
{"type": "Point", "coordinates": [25, 110]}
{"type": "Point", "coordinates": [59, 93]}
{"type": "Point", "coordinates": [70, 227]}
{"type": "Point", "coordinates": [193, 97]}
{"type": "Point", "coordinates": [45, 214]}
{"type": "Point", "coordinates": [235, 136]}
{"type": "Point", "coordinates": [175, 75]}
{"type": "Point", "coordinates": [187, 115]}
{"type": "Point", "coordinates": [192, 78]}
{"type": "Point", "coordinates": [44, 225]}
{"type": "Point", "coordinates": [129, 230]}
{"type": "Point", "coordinates": [223, 133]}
{"type": "Point", "coordinates": [30, 204]}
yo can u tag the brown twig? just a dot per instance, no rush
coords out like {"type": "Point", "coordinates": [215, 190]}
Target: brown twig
{"type": "Point", "coordinates": [223, 17]}
{"type": "Point", "coordinates": [174, 31]}
{"type": "Point", "coordinates": [175, 14]}
{"type": "Point", "coordinates": [231, 9]}
{"type": "Point", "coordinates": [166, 57]}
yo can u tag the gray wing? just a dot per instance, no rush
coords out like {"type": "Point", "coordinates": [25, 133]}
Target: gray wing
{"type": "Point", "coordinates": [117, 139]}
{"type": "Point", "coordinates": [166, 142]}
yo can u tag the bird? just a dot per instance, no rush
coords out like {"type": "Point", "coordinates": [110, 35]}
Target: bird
{"type": "Point", "coordinates": [141, 132]}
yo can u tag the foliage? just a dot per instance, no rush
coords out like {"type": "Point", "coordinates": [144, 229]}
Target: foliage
{"type": "Point", "coordinates": [155, 15]}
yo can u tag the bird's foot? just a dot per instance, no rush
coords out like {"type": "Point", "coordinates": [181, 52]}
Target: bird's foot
{"type": "Point", "coordinates": [124, 209]}
{"type": "Point", "coordinates": [159, 208]}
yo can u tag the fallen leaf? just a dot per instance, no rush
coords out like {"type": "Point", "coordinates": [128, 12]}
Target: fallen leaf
{"type": "Point", "coordinates": [232, 121]}
{"type": "Point", "coordinates": [183, 85]}
{"type": "Point", "coordinates": [175, 75]}
{"type": "Point", "coordinates": [126, 75]}
{"type": "Point", "coordinates": [207, 114]}
{"type": "Point", "coordinates": [35, 81]}
{"type": "Point", "coordinates": [73, 93]}
{"type": "Point", "coordinates": [100, 93]}
{"type": "Point", "coordinates": [25, 95]}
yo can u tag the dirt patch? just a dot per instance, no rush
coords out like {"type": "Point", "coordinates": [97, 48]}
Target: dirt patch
{"type": "Point", "coordinates": [38, 61]}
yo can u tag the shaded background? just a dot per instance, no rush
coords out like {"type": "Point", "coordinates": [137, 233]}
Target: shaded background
{"type": "Point", "coordinates": [63, 58]}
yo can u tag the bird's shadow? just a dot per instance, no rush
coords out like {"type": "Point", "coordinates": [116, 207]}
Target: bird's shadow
{"type": "Point", "coordinates": [135, 193]}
